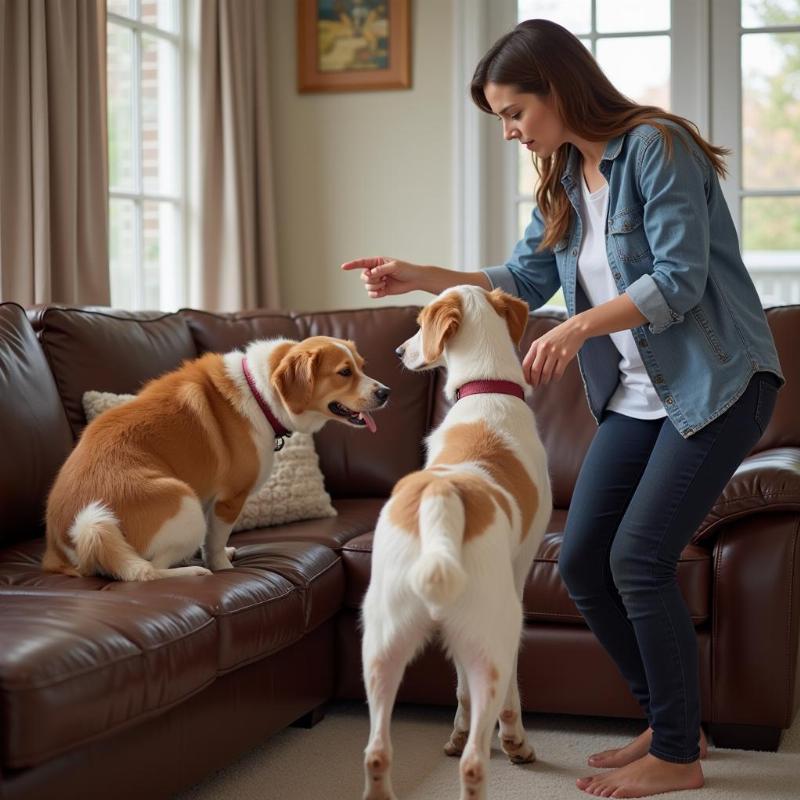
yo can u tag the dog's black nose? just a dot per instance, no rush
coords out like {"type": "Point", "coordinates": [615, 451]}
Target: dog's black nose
{"type": "Point", "coordinates": [399, 352]}
{"type": "Point", "coordinates": [383, 393]}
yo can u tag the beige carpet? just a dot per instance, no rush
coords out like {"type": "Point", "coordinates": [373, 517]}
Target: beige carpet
{"type": "Point", "coordinates": [325, 762]}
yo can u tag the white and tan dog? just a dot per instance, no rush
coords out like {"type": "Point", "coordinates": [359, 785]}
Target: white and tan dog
{"type": "Point", "coordinates": [454, 544]}
{"type": "Point", "coordinates": [152, 481]}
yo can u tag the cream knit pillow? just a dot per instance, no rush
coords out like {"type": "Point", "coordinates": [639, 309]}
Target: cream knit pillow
{"type": "Point", "coordinates": [295, 489]}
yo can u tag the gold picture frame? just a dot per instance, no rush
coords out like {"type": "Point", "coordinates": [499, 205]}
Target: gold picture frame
{"type": "Point", "coordinates": [353, 45]}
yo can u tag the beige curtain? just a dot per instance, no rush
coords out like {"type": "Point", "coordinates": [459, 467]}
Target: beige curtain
{"type": "Point", "coordinates": [53, 161]}
{"type": "Point", "coordinates": [233, 251]}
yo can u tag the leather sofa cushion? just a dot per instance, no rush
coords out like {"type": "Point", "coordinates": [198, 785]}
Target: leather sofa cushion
{"type": "Point", "coordinates": [357, 463]}
{"type": "Point", "coordinates": [276, 593]}
{"type": "Point", "coordinates": [221, 333]}
{"type": "Point", "coordinates": [545, 598]}
{"type": "Point", "coordinates": [34, 432]}
{"type": "Point", "coordinates": [354, 517]}
{"type": "Point", "coordinates": [75, 666]}
{"type": "Point", "coordinates": [111, 351]}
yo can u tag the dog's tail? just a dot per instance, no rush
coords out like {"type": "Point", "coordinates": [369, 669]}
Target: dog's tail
{"type": "Point", "coordinates": [438, 576]}
{"type": "Point", "coordinates": [99, 546]}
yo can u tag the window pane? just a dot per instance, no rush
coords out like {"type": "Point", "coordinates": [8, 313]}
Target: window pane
{"type": "Point", "coordinates": [574, 15]}
{"type": "Point", "coordinates": [756, 13]}
{"type": "Point", "coordinates": [159, 115]}
{"type": "Point", "coordinates": [122, 252]}
{"type": "Point", "coordinates": [771, 246]}
{"type": "Point", "coordinates": [772, 223]}
{"type": "Point", "coordinates": [619, 16]}
{"type": "Point", "coordinates": [650, 86]}
{"type": "Point", "coordinates": [160, 256]}
{"type": "Point", "coordinates": [771, 110]}
{"type": "Point", "coordinates": [524, 211]}
{"type": "Point", "coordinates": [161, 14]}
{"type": "Point", "coordinates": [122, 7]}
{"type": "Point", "coordinates": [527, 174]}
{"type": "Point", "coordinates": [120, 108]}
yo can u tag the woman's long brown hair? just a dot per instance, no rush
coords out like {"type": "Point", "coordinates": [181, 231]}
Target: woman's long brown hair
{"type": "Point", "coordinates": [540, 57]}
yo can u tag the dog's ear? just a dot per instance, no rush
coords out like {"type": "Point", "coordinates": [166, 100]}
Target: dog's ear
{"type": "Point", "coordinates": [294, 378]}
{"type": "Point", "coordinates": [513, 310]}
{"type": "Point", "coordinates": [439, 322]}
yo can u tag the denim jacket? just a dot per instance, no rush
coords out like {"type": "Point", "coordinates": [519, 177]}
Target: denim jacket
{"type": "Point", "coordinates": [672, 246]}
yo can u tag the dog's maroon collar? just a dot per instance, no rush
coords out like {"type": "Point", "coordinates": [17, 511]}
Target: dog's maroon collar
{"type": "Point", "coordinates": [490, 387]}
{"type": "Point", "coordinates": [281, 433]}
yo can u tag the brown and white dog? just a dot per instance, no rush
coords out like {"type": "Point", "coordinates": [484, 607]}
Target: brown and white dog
{"type": "Point", "coordinates": [153, 480]}
{"type": "Point", "coordinates": [454, 544]}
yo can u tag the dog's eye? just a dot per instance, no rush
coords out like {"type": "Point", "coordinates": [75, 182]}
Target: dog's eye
{"type": "Point", "coordinates": [346, 372]}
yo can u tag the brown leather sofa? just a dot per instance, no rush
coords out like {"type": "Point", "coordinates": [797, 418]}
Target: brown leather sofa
{"type": "Point", "coordinates": [137, 690]}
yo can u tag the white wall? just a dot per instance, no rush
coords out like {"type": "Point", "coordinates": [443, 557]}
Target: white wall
{"type": "Point", "coordinates": [361, 173]}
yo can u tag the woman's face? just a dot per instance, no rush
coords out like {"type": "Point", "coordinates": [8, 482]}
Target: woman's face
{"type": "Point", "coordinates": [530, 118]}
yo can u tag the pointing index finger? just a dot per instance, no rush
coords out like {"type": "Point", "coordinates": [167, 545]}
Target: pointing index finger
{"type": "Point", "coordinates": [364, 263]}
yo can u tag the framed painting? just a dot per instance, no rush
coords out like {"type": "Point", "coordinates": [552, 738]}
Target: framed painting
{"type": "Point", "coordinates": [353, 45]}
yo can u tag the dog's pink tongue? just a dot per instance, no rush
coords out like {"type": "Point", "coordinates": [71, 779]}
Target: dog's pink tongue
{"type": "Point", "coordinates": [370, 422]}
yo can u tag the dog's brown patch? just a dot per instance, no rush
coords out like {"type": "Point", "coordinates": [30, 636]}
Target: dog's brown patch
{"type": "Point", "coordinates": [439, 322]}
{"type": "Point", "coordinates": [477, 442]}
{"type": "Point", "coordinates": [513, 310]}
{"type": "Point", "coordinates": [476, 493]}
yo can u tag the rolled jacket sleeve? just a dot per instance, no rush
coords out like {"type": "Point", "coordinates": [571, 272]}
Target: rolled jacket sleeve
{"type": "Point", "coordinates": [676, 224]}
{"type": "Point", "coordinates": [529, 273]}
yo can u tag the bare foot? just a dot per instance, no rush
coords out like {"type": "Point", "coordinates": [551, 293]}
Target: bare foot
{"type": "Point", "coordinates": [643, 777]}
{"type": "Point", "coordinates": [640, 746]}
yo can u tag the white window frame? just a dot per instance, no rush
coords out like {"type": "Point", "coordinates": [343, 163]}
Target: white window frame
{"type": "Point", "coordinates": [173, 285]}
{"type": "Point", "coordinates": [705, 37]}
{"type": "Point", "coordinates": [726, 128]}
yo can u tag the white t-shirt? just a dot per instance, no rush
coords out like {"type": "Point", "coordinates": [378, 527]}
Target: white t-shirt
{"type": "Point", "coordinates": [635, 396]}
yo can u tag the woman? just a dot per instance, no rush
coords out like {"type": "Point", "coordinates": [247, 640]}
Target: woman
{"type": "Point", "coordinates": [679, 365]}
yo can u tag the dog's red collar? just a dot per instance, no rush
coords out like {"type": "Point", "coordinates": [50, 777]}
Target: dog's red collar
{"type": "Point", "coordinates": [281, 433]}
{"type": "Point", "coordinates": [490, 387]}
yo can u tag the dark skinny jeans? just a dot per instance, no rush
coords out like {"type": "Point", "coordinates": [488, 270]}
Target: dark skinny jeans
{"type": "Point", "coordinates": [642, 491]}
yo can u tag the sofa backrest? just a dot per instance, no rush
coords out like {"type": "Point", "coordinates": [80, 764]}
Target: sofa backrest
{"type": "Point", "coordinates": [109, 351]}
{"type": "Point", "coordinates": [223, 332]}
{"type": "Point", "coordinates": [119, 351]}
{"type": "Point", "coordinates": [35, 437]}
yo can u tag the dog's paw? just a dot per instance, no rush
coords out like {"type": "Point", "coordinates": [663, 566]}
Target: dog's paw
{"type": "Point", "coordinates": [518, 752]}
{"type": "Point", "coordinates": [197, 571]}
{"type": "Point", "coordinates": [457, 742]}
{"type": "Point", "coordinates": [376, 767]}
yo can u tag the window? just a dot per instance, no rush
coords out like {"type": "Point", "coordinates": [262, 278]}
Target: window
{"type": "Point", "coordinates": [756, 64]}
{"type": "Point", "coordinates": [145, 146]}
{"type": "Point", "coordinates": [744, 55]}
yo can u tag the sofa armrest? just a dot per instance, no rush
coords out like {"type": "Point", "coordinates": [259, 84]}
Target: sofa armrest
{"type": "Point", "coordinates": [755, 621]}
{"type": "Point", "coordinates": [765, 482]}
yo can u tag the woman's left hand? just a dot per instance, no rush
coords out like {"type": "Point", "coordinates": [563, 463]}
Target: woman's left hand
{"type": "Point", "coordinates": [550, 354]}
